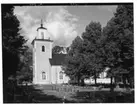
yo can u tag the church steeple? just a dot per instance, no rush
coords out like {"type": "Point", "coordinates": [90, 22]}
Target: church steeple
{"type": "Point", "coordinates": [41, 26]}
{"type": "Point", "coordinates": [42, 32]}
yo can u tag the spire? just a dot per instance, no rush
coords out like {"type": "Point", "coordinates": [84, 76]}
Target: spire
{"type": "Point", "coordinates": [41, 23]}
{"type": "Point", "coordinates": [41, 26]}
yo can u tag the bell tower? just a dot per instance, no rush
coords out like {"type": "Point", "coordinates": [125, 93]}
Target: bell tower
{"type": "Point", "coordinates": [42, 32]}
{"type": "Point", "coordinates": [42, 52]}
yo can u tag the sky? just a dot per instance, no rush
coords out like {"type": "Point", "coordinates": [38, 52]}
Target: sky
{"type": "Point", "coordinates": [63, 23]}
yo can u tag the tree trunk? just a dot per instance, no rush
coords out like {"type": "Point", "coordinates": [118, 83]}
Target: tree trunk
{"type": "Point", "coordinates": [124, 80]}
{"type": "Point", "coordinates": [131, 82]}
{"type": "Point", "coordinates": [82, 82]}
{"type": "Point", "coordinates": [111, 87]}
{"type": "Point", "coordinates": [78, 80]}
{"type": "Point", "coordinates": [95, 77]}
{"type": "Point", "coordinates": [95, 81]}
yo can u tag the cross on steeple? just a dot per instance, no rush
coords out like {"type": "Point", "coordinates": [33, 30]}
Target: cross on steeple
{"type": "Point", "coordinates": [41, 23]}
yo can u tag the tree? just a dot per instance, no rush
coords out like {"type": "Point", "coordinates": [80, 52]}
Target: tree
{"type": "Point", "coordinates": [57, 49]}
{"type": "Point", "coordinates": [73, 61]}
{"type": "Point", "coordinates": [12, 41]}
{"type": "Point", "coordinates": [85, 55]}
{"type": "Point", "coordinates": [25, 67]}
{"type": "Point", "coordinates": [92, 47]}
{"type": "Point", "coordinates": [118, 42]}
{"type": "Point", "coordinates": [12, 46]}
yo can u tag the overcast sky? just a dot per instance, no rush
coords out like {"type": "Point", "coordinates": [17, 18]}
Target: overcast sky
{"type": "Point", "coordinates": [64, 23]}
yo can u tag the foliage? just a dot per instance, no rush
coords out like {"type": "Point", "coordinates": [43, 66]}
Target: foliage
{"type": "Point", "coordinates": [92, 48]}
{"type": "Point", "coordinates": [97, 49]}
{"type": "Point", "coordinates": [73, 60]}
{"type": "Point", "coordinates": [84, 57]}
{"type": "Point", "coordinates": [57, 49]}
{"type": "Point", "coordinates": [12, 41]}
{"type": "Point", "coordinates": [25, 67]}
{"type": "Point", "coordinates": [118, 41]}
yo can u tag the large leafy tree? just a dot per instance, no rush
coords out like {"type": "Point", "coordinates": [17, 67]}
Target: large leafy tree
{"type": "Point", "coordinates": [118, 42]}
{"type": "Point", "coordinates": [12, 41]}
{"type": "Point", "coordinates": [85, 54]}
{"type": "Point", "coordinates": [92, 48]}
{"type": "Point", "coordinates": [74, 61]}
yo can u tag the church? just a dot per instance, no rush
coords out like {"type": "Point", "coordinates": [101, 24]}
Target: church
{"type": "Point", "coordinates": [46, 66]}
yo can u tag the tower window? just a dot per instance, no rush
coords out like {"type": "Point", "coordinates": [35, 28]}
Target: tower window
{"type": "Point", "coordinates": [43, 75]}
{"type": "Point", "coordinates": [61, 75]}
{"type": "Point", "coordinates": [43, 48]}
{"type": "Point", "coordinates": [42, 35]}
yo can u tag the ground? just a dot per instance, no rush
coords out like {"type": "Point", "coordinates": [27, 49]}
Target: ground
{"type": "Point", "coordinates": [71, 94]}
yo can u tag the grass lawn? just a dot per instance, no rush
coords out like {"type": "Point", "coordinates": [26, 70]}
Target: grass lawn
{"type": "Point", "coordinates": [71, 94]}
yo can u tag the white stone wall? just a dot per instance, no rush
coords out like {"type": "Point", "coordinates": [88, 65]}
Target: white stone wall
{"type": "Point", "coordinates": [102, 79]}
{"type": "Point", "coordinates": [99, 80]}
{"type": "Point", "coordinates": [41, 63]}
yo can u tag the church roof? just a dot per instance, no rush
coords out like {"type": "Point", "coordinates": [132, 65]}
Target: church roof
{"type": "Point", "coordinates": [41, 28]}
{"type": "Point", "coordinates": [57, 59]}
{"type": "Point", "coordinates": [41, 40]}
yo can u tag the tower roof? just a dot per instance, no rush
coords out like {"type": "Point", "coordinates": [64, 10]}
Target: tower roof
{"type": "Point", "coordinates": [41, 26]}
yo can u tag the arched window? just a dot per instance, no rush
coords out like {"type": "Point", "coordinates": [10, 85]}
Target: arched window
{"type": "Point", "coordinates": [43, 75]}
{"type": "Point", "coordinates": [42, 35]}
{"type": "Point", "coordinates": [43, 48]}
{"type": "Point", "coordinates": [61, 75]}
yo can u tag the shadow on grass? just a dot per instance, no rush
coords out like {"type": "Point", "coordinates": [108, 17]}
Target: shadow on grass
{"type": "Point", "coordinates": [31, 95]}
{"type": "Point", "coordinates": [103, 97]}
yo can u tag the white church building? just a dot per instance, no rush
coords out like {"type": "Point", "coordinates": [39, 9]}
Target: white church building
{"type": "Point", "coordinates": [47, 66]}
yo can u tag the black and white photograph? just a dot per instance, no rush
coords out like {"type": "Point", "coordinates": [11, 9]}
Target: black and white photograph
{"type": "Point", "coordinates": [67, 52]}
